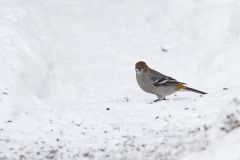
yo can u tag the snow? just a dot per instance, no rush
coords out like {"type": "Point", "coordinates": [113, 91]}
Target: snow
{"type": "Point", "coordinates": [68, 87]}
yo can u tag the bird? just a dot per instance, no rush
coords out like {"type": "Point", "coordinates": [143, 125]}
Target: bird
{"type": "Point", "coordinates": [154, 82]}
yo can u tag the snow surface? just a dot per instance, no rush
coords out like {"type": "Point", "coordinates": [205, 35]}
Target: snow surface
{"type": "Point", "coordinates": [68, 88]}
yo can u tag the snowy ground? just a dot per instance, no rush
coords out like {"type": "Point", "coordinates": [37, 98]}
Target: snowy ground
{"type": "Point", "coordinates": [68, 88]}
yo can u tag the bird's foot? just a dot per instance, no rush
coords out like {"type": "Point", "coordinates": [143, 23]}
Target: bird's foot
{"type": "Point", "coordinates": [160, 99]}
{"type": "Point", "coordinates": [157, 100]}
{"type": "Point", "coordinates": [154, 101]}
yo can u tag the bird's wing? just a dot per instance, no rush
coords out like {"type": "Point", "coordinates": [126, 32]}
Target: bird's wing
{"type": "Point", "coordinates": [160, 79]}
{"type": "Point", "coordinates": [163, 80]}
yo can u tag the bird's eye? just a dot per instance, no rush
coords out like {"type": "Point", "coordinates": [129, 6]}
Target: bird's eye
{"type": "Point", "coordinates": [137, 69]}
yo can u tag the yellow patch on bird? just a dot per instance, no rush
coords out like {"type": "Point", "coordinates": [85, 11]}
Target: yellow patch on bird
{"type": "Point", "coordinates": [179, 86]}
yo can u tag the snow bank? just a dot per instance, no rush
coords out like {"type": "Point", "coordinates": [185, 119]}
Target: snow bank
{"type": "Point", "coordinates": [24, 62]}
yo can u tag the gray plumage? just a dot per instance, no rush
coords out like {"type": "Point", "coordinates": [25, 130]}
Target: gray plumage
{"type": "Point", "coordinates": [157, 83]}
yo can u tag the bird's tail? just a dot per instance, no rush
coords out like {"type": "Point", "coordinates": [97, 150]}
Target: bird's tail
{"type": "Point", "coordinates": [194, 90]}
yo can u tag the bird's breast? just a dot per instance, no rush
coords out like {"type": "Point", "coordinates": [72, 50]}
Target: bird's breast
{"type": "Point", "coordinates": [145, 83]}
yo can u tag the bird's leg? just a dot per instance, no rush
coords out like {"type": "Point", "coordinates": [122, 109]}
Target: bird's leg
{"type": "Point", "coordinates": [164, 98]}
{"type": "Point", "coordinates": [159, 98]}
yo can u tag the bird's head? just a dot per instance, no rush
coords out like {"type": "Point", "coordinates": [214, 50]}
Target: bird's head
{"type": "Point", "coordinates": [141, 67]}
